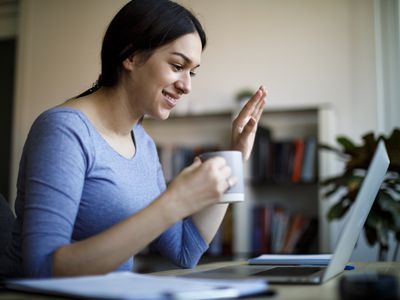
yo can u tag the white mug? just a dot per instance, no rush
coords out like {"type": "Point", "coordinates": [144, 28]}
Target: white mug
{"type": "Point", "coordinates": [234, 160]}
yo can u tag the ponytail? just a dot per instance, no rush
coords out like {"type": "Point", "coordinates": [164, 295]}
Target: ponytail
{"type": "Point", "coordinates": [95, 87]}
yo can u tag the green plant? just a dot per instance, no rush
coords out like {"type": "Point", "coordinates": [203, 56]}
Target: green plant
{"type": "Point", "coordinates": [385, 213]}
{"type": "Point", "coordinates": [245, 93]}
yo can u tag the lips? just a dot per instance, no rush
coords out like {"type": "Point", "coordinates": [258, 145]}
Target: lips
{"type": "Point", "coordinates": [170, 99]}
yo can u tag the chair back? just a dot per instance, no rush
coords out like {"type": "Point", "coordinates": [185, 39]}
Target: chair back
{"type": "Point", "coordinates": [6, 223]}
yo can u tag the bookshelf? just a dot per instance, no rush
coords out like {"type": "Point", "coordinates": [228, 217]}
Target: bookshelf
{"type": "Point", "coordinates": [187, 135]}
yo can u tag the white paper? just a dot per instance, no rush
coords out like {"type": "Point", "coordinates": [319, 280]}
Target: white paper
{"type": "Point", "coordinates": [128, 285]}
{"type": "Point", "coordinates": [291, 259]}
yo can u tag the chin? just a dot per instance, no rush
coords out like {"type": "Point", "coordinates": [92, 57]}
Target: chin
{"type": "Point", "coordinates": [165, 116]}
{"type": "Point", "coordinates": [162, 115]}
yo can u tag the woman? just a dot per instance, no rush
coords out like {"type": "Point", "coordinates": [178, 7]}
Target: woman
{"type": "Point", "coordinates": [91, 193]}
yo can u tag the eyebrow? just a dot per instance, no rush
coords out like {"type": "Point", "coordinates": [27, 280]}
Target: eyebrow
{"type": "Point", "coordinates": [187, 59]}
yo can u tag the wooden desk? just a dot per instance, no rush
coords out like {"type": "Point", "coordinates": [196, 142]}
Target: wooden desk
{"type": "Point", "coordinates": [328, 290]}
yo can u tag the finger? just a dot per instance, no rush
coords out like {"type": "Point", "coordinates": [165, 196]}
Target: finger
{"type": "Point", "coordinates": [248, 108]}
{"type": "Point", "coordinates": [250, 127]}
{"type": "Point", "coordinates": [218, 162]}
{"type": "Point", "coordinates": [259, 110]}
{"type": "Point", "coordinates": [260, 106]}
{"type": "Point", "coordinates": [198, 158]}
{"type": "Point", "coordinates": [230, 182]}
{"type": "Point", "coordinates": [196, 163]}
{"type": "Point", "coordinates": [264, 93]}
{"type": "Point", "coordinates": [263, 90]}
{"type": "Point", "coordinates": [226, 171]}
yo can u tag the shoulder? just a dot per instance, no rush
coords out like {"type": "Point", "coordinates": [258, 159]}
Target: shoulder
{"type": "Point", "coordinates": [61, 119]}
{"type": "Point", "coordinates": [62, 129]}
{"type": "Point", "coordinates": [60, 134]}
{"type": "Point", "coordinates": [70, 117]}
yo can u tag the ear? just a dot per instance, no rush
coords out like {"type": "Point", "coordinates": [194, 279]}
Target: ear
{"type": "Point", "coordinates": [129, 63]}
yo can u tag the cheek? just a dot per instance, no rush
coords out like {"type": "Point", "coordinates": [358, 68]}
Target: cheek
{"type": "Point", "coordinates": [163, 75]}
{"type": "Point", "coordinates": [156, 77]}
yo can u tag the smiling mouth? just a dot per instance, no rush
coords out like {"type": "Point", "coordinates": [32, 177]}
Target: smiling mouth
{"type": "Point", "coordinates": [170, 99]}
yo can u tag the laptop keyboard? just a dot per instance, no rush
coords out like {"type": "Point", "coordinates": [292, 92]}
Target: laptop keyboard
{"type": "Point", "coordinates": [291, 271]}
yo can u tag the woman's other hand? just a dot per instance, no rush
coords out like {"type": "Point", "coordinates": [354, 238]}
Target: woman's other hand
{"type": "Point", "coordinates": [201, 184]}
{"type": "Point", "coordinates": [244, 126]}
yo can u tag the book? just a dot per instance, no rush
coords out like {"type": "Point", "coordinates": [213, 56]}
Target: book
{"type": "Point", "coordinates": [261, 156]}
{"type": "Point", "coordinates": [256, 230]}
{"type": "Point", "coordinates": [297, 227]}
{"type": "Point", "coordinates": [291, 259]}
{"type": "Point", "coordinates": [307, 241]}
{"type": "Point", "coordinates": [297, 159]}
{"type": "Point", "coordinates": [308, 173]}
{"type": "Point", "coordinates": [265, 220]}
{"type": "Point", "coordinates": [279, 228]}
{"type": "Point", "coordinates": [227, 232]}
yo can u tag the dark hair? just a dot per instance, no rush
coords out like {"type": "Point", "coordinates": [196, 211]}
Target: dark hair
{"type": "Point", "coordinates": [142, 26]}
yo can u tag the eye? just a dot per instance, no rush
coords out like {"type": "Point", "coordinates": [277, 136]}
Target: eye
{"type": "Point", "coordinates": [192, 74]}
{"type": "Point", "coordinates": [176, 67]}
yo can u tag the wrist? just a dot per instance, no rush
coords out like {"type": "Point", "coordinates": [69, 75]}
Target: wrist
{"type": "Point", "coordinates": [171, 206]}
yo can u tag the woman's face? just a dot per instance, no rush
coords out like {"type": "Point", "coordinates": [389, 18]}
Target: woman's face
{"type": "Point", "coordinates": [157, 84]}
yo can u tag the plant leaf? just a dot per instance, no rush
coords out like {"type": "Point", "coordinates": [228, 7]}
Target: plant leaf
{"type": "Point", "coordinates": [330, 180]}
{"type": "Point", "coordinates": [393, 147]}
{"type": "Point", "coordinates": [398, 236]}
{"type": "Point", "coordinates": [330, 192]}
{"type": "Point", "coordinates": [338, 210]}
{"type": "Point", "coordinates": [346, 143]}
{"type": "Point", "coordinates": [371, 236]}
{"type": "Point", "coordinates": [391, 206]}
{"type": "Point", "coordinates": [383, 233]}
{"type": "Point", "coordinates": [369, 142]}
{"type": "Point", "coordinates": [337, 151]}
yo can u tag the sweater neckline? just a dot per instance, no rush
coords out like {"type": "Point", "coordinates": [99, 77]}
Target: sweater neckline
{"type": "Point", "coordinates": [82, 115]}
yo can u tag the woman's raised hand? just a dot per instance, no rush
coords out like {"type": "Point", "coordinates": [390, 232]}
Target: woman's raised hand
{"type": "Point", "coordinates": [244, 126]}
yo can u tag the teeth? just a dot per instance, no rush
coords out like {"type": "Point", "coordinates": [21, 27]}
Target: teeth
{"type": "Point", "coordinates": [172, 101]}
{"type": "Point", "coordinates": [169, 97]}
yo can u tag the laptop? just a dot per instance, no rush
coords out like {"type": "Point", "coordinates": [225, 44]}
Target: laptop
{"type": "Point", "coordinates": [347, 241]}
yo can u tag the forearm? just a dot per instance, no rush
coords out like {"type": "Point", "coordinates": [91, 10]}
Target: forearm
{"type": "Point", "coordinates": [106, 251]}
{"type": "Point", "coordinates": [209, 220]}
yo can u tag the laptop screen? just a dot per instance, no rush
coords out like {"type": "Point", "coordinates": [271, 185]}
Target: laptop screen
{"type": "Point", "coordinates": [359, 211]}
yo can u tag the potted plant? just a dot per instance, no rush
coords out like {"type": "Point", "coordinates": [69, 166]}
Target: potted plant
{"type": "Point", "coordinates": [384, 217]}
{"type": "Point", "coordinates": [244, 94]}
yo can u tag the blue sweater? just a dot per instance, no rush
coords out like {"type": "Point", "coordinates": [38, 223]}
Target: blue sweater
{"type": "Point", "coordinates": [72, 185]}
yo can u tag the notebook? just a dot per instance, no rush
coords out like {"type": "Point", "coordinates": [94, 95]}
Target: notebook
{"type": "Point", "coordinates": [317, 274]}
{"type": "Point", "coordinates": [133, 286]}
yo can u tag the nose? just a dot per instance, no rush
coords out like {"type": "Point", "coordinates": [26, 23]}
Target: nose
{"type": "Point", "coordinates": [184, 84]}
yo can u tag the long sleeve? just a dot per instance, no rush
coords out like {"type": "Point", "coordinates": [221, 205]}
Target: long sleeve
{"type": "Point", "coordinates": [56, 161]}
{"type": "Point", "coordinates": [182, 243]}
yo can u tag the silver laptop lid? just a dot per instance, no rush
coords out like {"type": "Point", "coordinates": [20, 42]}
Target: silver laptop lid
{"type": "Point", "coordinates": [359, 212]}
